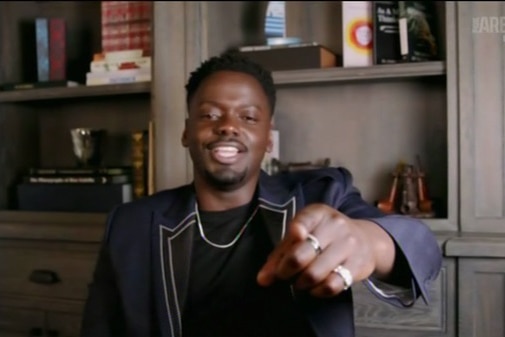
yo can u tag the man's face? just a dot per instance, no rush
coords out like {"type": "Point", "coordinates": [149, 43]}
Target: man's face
{"type": "Point", "coordinates": [228, 129]}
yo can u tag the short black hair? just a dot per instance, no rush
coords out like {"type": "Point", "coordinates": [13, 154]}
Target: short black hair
{"type": "Point", "coordinates": [232, 61]}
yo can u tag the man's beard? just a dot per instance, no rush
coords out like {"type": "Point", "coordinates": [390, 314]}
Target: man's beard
{"type": "Point", "coordinates": [225, 179]}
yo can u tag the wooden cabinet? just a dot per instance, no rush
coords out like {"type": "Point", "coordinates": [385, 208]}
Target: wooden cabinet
{"type": "Point", "coordinates": [481, 289]}
{"type": "Point", "coordinates": [480, 56]}
{"type": "Point", "coordinates": [46, 268]}
{"type": "Point", "coordinates": [481, 283]}
{"type": "Point", "coordinates": [375, 318]}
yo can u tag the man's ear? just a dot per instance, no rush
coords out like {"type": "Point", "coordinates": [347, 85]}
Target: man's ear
{"type": "Point", "coordinates": [184, 138]}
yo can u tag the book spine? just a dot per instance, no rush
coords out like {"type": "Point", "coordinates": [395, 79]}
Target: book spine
{"type": "Point", "coordinates": [80, 171]}
{"type": "Point", "coordinates": [42, 40]}
{"type": "Point", "coordinates": [104, 66]}
{"type": "Point", "coordinates": [99, 179]}
{"type": "Point", "coordinates": [140, 150]}
{"type": "Point", "coordinates": [57, 49]}
{"type": "Point", "coordinates": [118, 80]}
{"type": "Point", "coordinates": [36, 85]}
{"type": "Point", "coordinates": [386, 38]}
{"type": "Point", "coordinates": [403, 30]}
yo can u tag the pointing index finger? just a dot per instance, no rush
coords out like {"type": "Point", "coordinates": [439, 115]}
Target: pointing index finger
{"type": "Point", "coordinates": [300, 227]}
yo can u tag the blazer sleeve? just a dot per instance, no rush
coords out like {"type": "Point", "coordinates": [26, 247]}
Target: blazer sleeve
{"type": "Point", "coordinates": [418, 257]}
{"type": "Point", "coordinates": [102, 316]}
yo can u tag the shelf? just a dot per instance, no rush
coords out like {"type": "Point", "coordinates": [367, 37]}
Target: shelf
{"type": "Point", "coordinates": [339, 74]}
{"type": "Point", "coordinates": [25, 95]}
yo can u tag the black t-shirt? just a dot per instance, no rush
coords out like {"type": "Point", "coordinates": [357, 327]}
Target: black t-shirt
{"type": "Point", "coordinates": [224, 298]}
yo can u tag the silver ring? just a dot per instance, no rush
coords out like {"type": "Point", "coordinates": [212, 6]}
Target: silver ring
{"type": "Point", "coordinates": [315, 243]}
{"type": "Point", "coordinates": [346, 276]}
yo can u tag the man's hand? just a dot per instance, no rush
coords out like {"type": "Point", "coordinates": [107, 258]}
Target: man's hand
{"type": "Point", "coordinates": [360, 246]}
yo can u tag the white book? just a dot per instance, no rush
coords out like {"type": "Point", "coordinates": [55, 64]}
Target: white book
{"type": "Point", "coordinates": [103, 66]}
{"type": "Point", "coordinates": [357, 33]}
{"type": "Point", "coordinates": [120, 76]}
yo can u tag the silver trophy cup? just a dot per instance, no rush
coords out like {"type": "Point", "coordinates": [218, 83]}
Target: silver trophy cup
{"type": "Point", "coordinates": [87, 146]}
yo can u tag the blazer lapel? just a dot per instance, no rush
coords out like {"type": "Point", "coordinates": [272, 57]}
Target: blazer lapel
{"type": "Point", "coordinates": [172, 235]}
{"type": "Point", "coordinates": [278, 204]}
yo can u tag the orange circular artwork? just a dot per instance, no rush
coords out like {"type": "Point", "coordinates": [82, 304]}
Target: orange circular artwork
{"type": "Point", "coordinates": [359, 35]}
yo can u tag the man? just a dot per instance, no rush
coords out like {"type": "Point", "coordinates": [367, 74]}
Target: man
{"type": "Point", "coordinates": [241, 253]}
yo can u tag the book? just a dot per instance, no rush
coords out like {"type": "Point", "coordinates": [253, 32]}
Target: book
{"type": "Point", "coordinates": [42, 47]}
{"type": "Point", "coordinates": [37, 85]}
{"type": "Point", "coordinates": [104, 66]}
{"type": "Point", "coordinates": [418, 31]}
{"type": "Point", "coordinates": [74, 171]}
{"type": "Point", "coordinates": [291, 57]}
{"type": "Point", "coordinates": [57, 50]}
{"type": "Point", "coordinates": [386, 34]}
{"type": "Point", "coordinates": [119, 76]}
{"type": "Point", "coordinates": [357, 30]}
{"type": "Point", "coordinates": [77, 179]}
{"type": "Point", "coordinates": [72, 197]}
{"type": "Point", "coordinates": [140, 160]}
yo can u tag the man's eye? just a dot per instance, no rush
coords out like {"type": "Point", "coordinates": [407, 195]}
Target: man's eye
{"type": "Point", "coordinates": [249, 118]}
{"type": "Point", "coordinates": [210, 116]}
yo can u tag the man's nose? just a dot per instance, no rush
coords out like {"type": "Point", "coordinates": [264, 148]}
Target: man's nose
{"type": "Point", "coordinates": [227, 126]}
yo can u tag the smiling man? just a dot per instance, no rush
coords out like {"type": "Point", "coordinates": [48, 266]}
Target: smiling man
{"type": "Point", "coordinates": [240, 253]}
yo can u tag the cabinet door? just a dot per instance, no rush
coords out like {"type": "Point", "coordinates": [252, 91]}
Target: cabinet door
{"type": "Point", "coordinates": [20, 321]}
{"type": "Point", "coordinates": [481, 288]}
{"type": "Point", "coordinates": [482, 107]}
{"type": "Point", "coordinates": [375, 318]}
{"type": "Point", "coordinates": [63, 324]}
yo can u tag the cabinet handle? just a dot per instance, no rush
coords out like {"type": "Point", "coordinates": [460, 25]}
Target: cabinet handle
{"type": "Point", "coordinates": [36, 332]}
{"type": "Point", "coordinates": [44, 277]}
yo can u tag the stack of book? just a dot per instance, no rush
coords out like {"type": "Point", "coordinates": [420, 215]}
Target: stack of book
{"type": "Point", "coordinates": [75, 189]}
{"type": "Point", "coordinates": [126, 66]}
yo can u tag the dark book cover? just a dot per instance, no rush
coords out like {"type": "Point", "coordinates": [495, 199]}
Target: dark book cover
{"type": "Point", "coordinates": [57, 50]}
{"type": "Point", "coordinates": [386, 46]}
{"type": "Point", "coordinates": [100, 198]}
{"type": "Point", "coordinates": [42, 47]}
{"type": "Point", "coordinates": [75, 171]}
{"type": "Point", "coordinates": [37, 85]}
{"type": "Point", "coordinates": [418, 31]}
{"type": "Point", "coordinates": [77, 179]}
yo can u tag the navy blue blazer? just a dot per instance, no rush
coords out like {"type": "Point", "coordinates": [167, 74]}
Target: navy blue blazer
{"type": "Point", "coordinates": [140, 282]}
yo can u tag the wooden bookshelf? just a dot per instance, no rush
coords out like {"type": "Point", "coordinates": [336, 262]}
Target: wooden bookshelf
{"type": "Point", "coordinates": [25, 95]}
{"type": "Point", "coordinates": [377, 72]}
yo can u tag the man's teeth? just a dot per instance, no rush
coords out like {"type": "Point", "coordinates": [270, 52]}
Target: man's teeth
{"type": "Point", "coordinates": [226, 151]}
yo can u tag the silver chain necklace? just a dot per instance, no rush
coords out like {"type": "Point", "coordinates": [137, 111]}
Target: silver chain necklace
{"type": "Point", "coordinates": [202, 234]}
